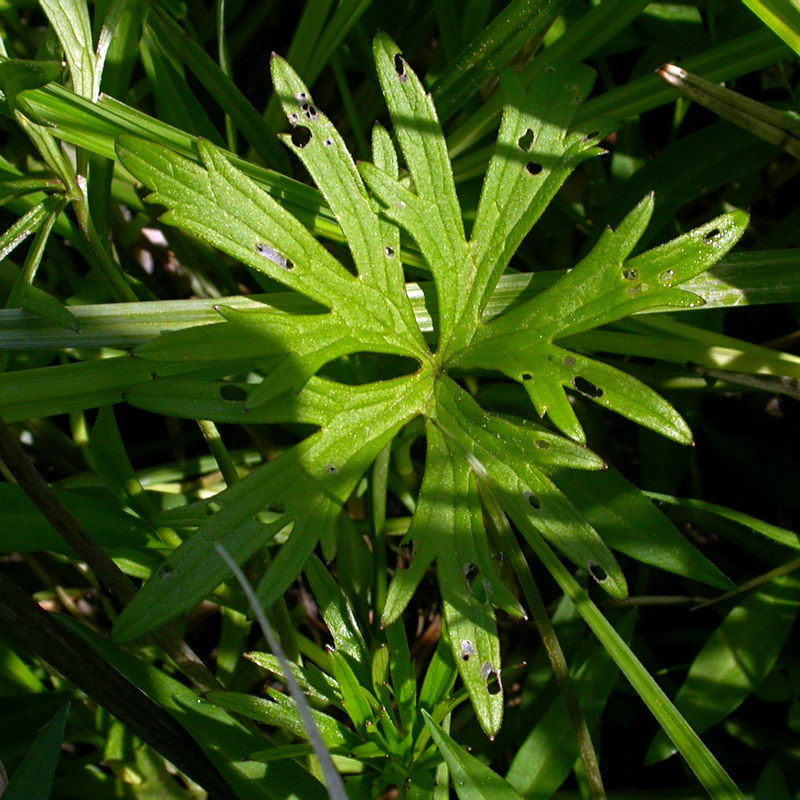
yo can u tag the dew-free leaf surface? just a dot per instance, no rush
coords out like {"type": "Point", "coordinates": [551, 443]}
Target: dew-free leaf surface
{"type": "Point", "coordinates": [362, 306]}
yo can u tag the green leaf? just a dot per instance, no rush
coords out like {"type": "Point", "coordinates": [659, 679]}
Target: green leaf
{"type": "Point", "coordinates": [33, 778]}
{"type": "Point", "coordinates": [323, 152]}
{"type": "Point", "coordinates": [601, 288]}
{"type": "Point", "coordinates": [533, 157]}
{"type": "Point", "coordinates": [223, 206]}
{"type": "Point", "coordinates": [526, 492]}
{"type": "Point", "coordinates": [401, 668]}
{"type": "Point", "coordinates": [432, 213]}
{"type": "Point", "coordinates": [26, 530]}
{"type": "Point", "coordinates": [782, 16]}
{"type": "Point", "coordinates": [308, 484]}
{"type": "Point", "coordinates": [70, 21]}
{"type": "Point", "coordinates": [633, 525]}
{"type": "Point", "coordinates": [728, 668]}
{"type": "Point", "coordinates": [446, 526]}
{"type": "Point", "coordinates": [472, 779]}
{"type": "Point", "coordinates": [225, 401]}
{"type": "Point", "coordinates": [283, 714]}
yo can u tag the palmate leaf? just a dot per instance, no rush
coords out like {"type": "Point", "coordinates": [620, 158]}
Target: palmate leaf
{"type": "Point", "coordinates": [363, 306]}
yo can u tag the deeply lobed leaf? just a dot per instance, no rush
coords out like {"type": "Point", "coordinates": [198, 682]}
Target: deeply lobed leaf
{"type": "Point", "coordinates": [469, 452]}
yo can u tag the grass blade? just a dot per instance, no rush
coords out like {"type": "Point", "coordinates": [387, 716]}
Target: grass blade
{"type": "Point", "coordinates": [472, 779]}
{"type": "Point", "coordinates": [33, 778]}
{"type": "Point", "coordinates": [728, 668]}
{"type": "Point", "coordinates": [782, 16]}
{"type": "Point", "coordinates": [705, 766]}
{"type": "Point", "coordinates": [334, 782]}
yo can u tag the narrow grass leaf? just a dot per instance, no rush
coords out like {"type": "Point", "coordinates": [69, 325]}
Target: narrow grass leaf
{"type": "Point", "coordinates": [440, 677]}
{"type": "Point", "coordinates": [401, 669]}
{"type": "Point", "coordinates": [310, 678]}
{"type": "Point", "coordinates": [488, 52]}
{"type": "Point", "coordinates": [782, 16]}
{"type": "Point", "coordinates": [728, 668]}
{"type": "Point", "coordinates": [358, 702]}
{"type": "Point", "coordinates": [220, 737]}
{"type": "Point", "coordinates": [471, 778]}
{"type": "Point", "coordinates": [246, 118]}
{"type": "Point", "coordinates": [33, 777]}
{"type": "Point", "coordinates": [739, 279]}
{"type": "Point", "coordinates": [30, 222]}
{"type": "Point", "coordinates": [548, 753]}
{"type": "Point", "coordinates": [702, 762]}
{"type": "Point", "coordinates": [332, 779]}
{"type": "Point", "coordinates": [725, 61]}
{"type": "Point", "coordinates": [338, 615]}
{"type": "Point", "coordinates": [176, 104]}
{"type": "Point", "coordinates": [777, 534]}
{"type": "Point", "coordinates": [111, 462]}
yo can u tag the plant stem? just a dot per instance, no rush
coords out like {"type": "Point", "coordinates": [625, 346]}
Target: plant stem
{"type": "Point", "coordinates": [380, 479]}
{"type": "Point", "coordinates": [219, 451]}
{"type": "Point", "coordinates": [552, 646]}
{"type": "Point", "coordinates": [107, 572]}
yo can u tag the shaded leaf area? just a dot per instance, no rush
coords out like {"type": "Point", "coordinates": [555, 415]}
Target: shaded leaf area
{"type": "Point", "coordinates": [728, 669]}
{"type": "Point", "coordinates": [27, 531]}
{"type": "Point", "coordinates": [34, 776]}
{"type": "Point", "coordinates": [227, 741]}
{"type": "Point", "coordinates": [544, 759]}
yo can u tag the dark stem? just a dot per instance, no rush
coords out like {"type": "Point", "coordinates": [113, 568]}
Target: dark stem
{"type": "Point", "coordinates": [107, 572]}
{"type": "Point", "coordinates": [551, 644]}
{"type": "Point", "coordinates": [22, 618]}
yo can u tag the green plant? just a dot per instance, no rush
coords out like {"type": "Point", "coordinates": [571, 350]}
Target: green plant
{"type": "Point", "coordinates": [355, 368]}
